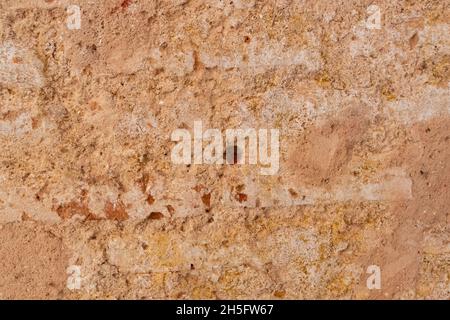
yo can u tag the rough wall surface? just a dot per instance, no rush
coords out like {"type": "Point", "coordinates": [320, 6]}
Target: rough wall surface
{"type": "Point", "coordinates": [88, 190]}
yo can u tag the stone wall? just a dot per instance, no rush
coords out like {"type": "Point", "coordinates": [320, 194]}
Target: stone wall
{"type": "Point", "coordinates": [92, 205]}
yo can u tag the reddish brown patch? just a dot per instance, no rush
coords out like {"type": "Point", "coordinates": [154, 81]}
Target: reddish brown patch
{"type": "Point", "coordinates": [34, 123]}
{"type": "Point", "coordinates": [293, 193]}
{"type": "Point", "coordinates": [241, 197]}
{"type": "Point", "coordinates": [198, 187]}
{"type": "Point", "coordinates": [68, 210]}
{"type": "Point", "coordinates": [279, 294]}
{"type": "Point", "coordinates": [143, 182]}
{"type": "Point", "coordinates": [197, 62]}
{"type": "Point", "coordinates": [156, 215]}
{"type": "Point", "coordinates": [150, 199]}
{"type": "Point", "coordinates": [125, 4]}
{"type": "Point", "coordinates": [206, 199]}
{"type": "Point", "coordinates": [116, 211]}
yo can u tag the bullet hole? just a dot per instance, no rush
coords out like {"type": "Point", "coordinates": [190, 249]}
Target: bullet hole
{"type": "Point", "coordinates": [246, 39]}
{"type": "Point", "coordinates": [192, 267]}
{"type": "Point", "coordinates": [144, 245]}
{"type": "Point", "coordinates": [424, 173]}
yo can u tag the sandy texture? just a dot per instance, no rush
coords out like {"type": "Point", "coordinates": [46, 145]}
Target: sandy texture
{"type": "Point", "coordinates": [86, 177]}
